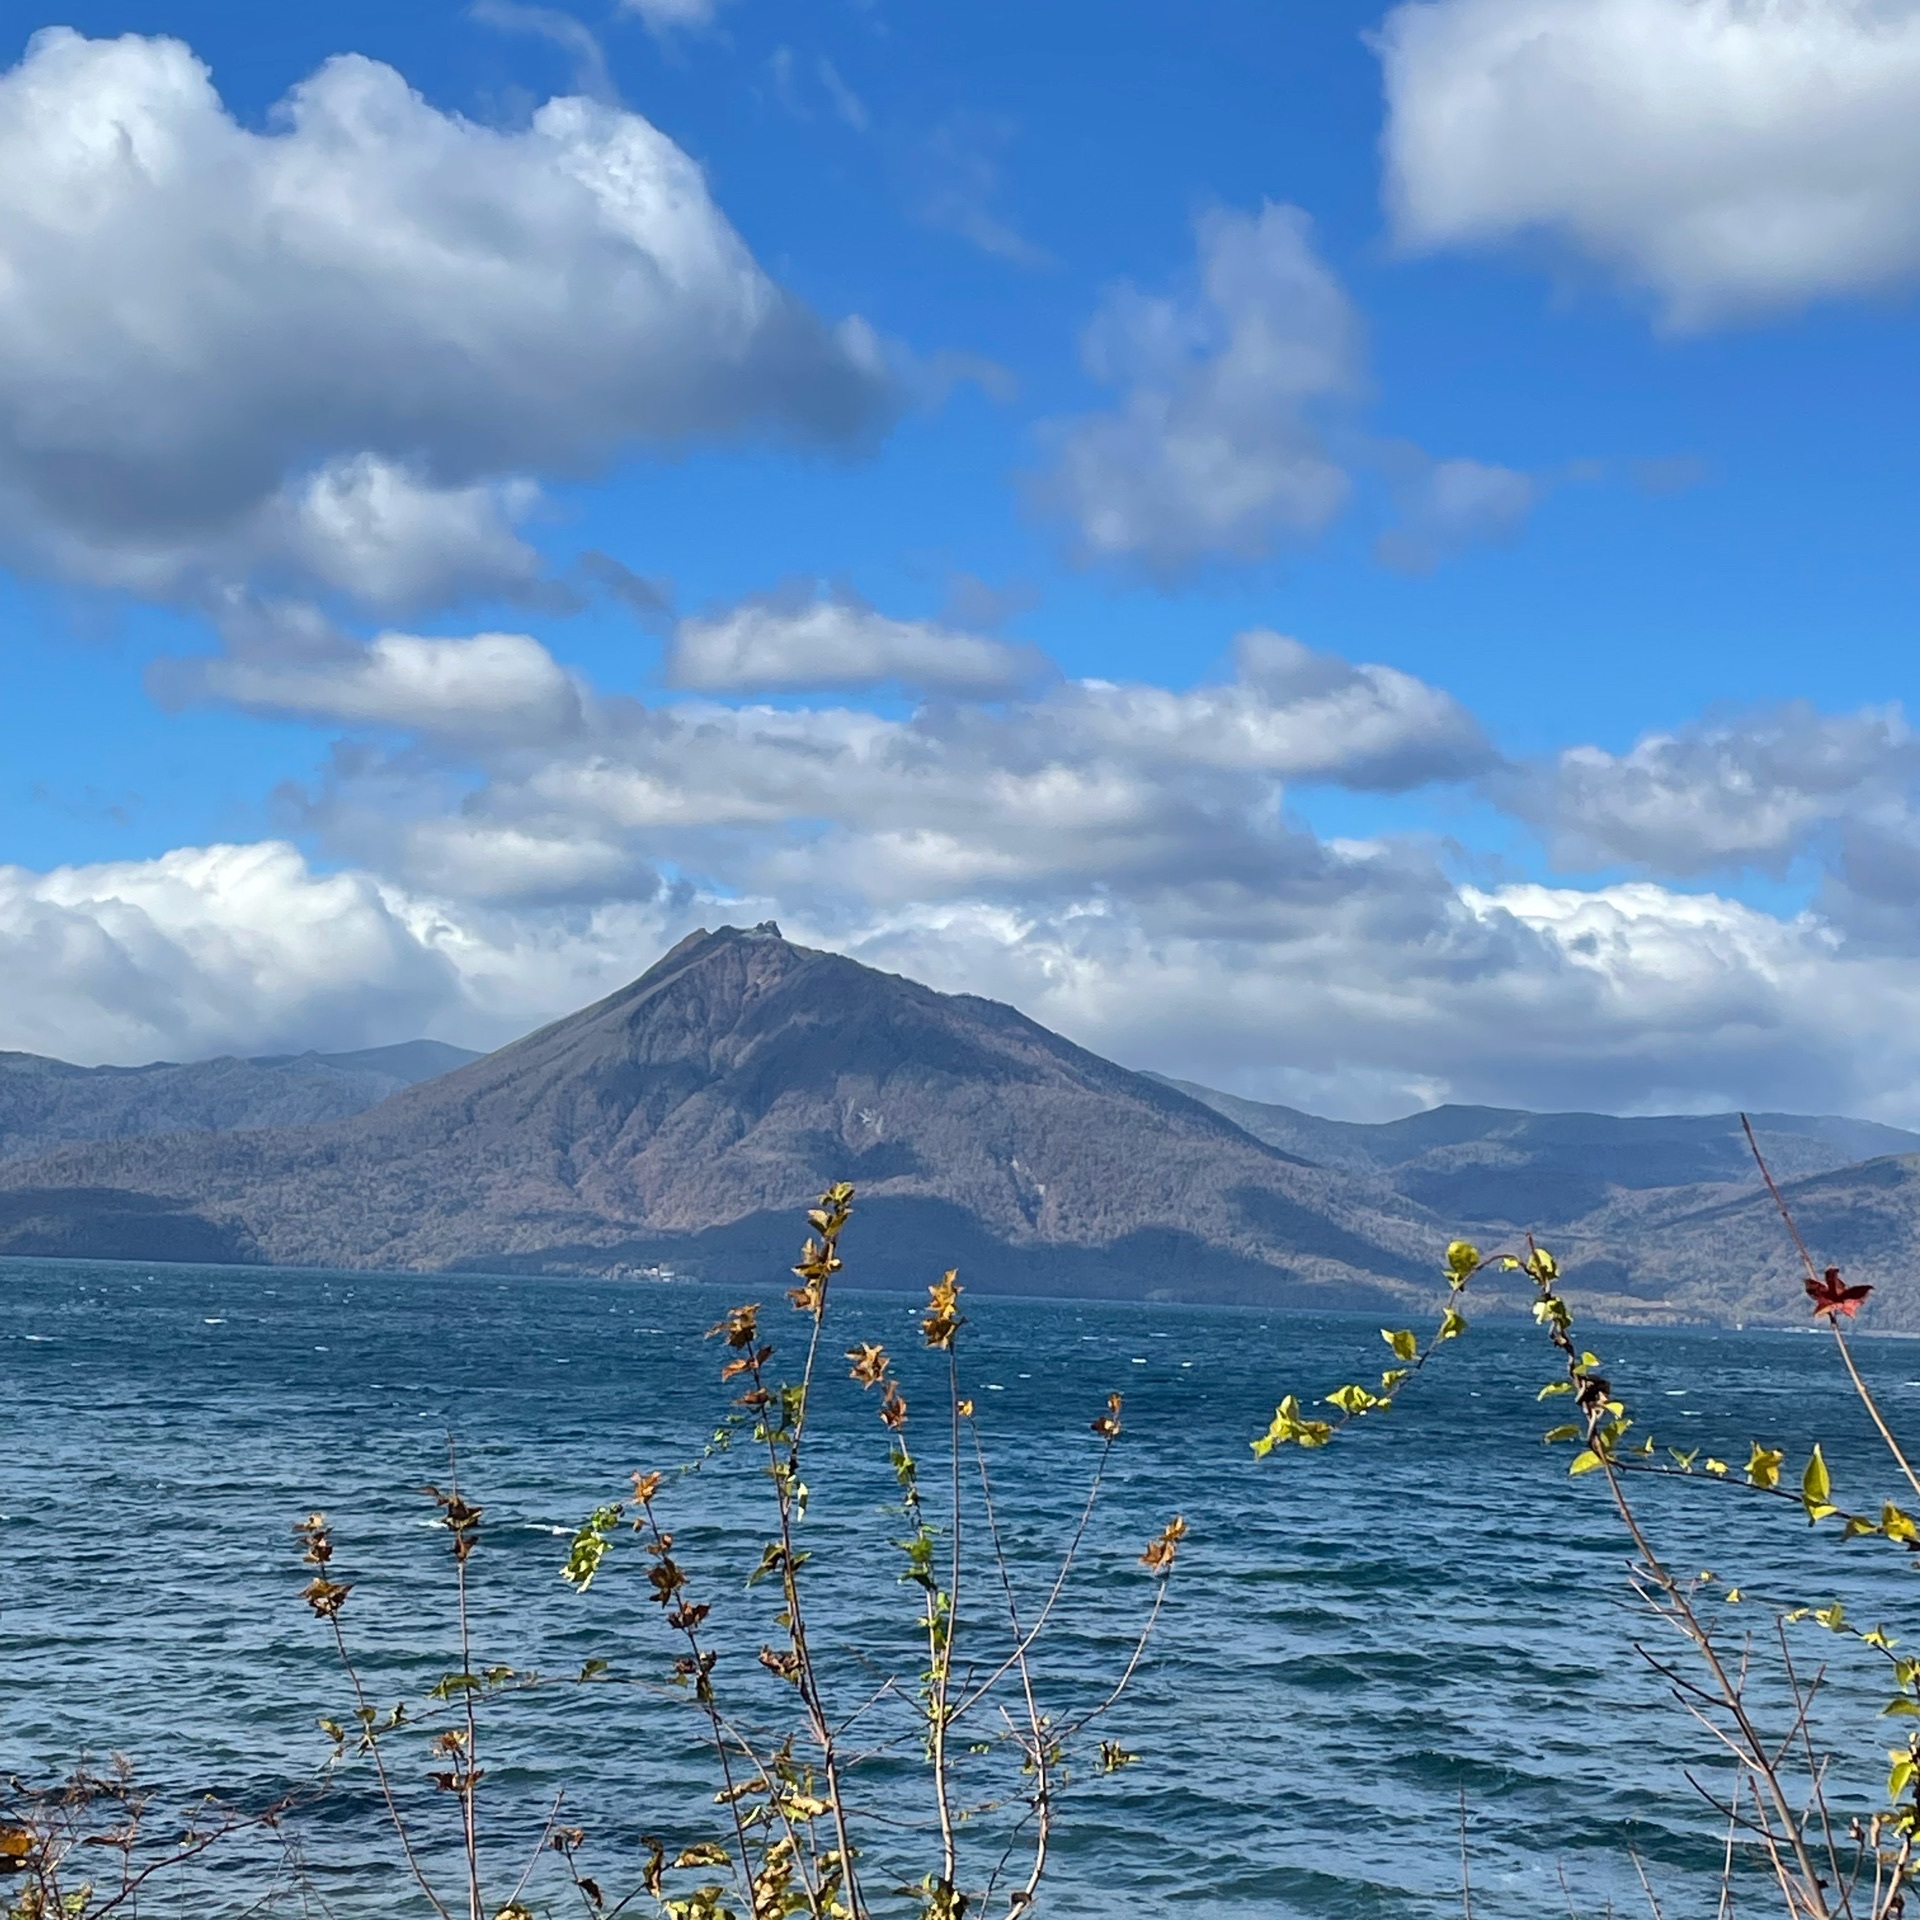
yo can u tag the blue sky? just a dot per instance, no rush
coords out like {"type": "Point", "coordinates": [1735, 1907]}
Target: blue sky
{"type": "Point", "coordinates": [876, 429]}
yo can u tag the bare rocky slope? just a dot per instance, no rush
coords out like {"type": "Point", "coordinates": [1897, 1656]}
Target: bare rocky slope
{"type": "Point", "coordinates": [686, 1119]}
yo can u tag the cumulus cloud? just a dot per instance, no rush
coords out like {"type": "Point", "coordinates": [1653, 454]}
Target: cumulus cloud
{"type": "Point", "coordinates": [1370, 984]}
{"type": "Point", "coordinates": [1449, 505]}
{"type": "Point", "coordinates": [1732, 155]}
{"type": "Point", "coordinates": [250, 949]}
{"type": "Point", "coordinates": [1075, 783]}
{"type": "Point", "coordinates": [1217, 447]}
{"type": "Point", "coordinates": [669, 16]}
{"type": "Point", "coordinates": [801, 641]}
{"type": "Point", "coordinates": [207, 950]}
{"type": "Point", "coordinates": [1237, 433]}
{"type": "Point", "coordinates": [337, 347]}
{"type": "Point", "coordinates": [1749, 790]}
{"type": "Point", "coordinates": [1387, 987]}
{"type": "Point", "coordinates": [1118, 859]}
{"type": "Point", "coordinates": [492, 685]}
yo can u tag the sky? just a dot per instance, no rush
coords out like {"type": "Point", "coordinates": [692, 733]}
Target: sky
{"type": "Point", "coordinates": [1361, 555]}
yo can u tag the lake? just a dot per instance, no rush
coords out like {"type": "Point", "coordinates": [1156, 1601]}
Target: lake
{"type": "Point", "coordinates": [1355, 1641]}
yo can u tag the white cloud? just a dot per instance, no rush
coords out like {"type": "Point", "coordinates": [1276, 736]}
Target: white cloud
{"type": "Point", "coordinates": [493, 685]}
{"type": "Point", "coordinates": [1114, 858]}
{"type": "Point", "coordinates": [207, 950]}
{"type": "Point", "coordinates": [563, 30]}
{"type": "Point", "coordinates": [1732, 155]}
{"type": "Point", "coordinates": [670, 16]}
{"type": "Point", "coordinates": [383, 537]}
{"type": "Point", "coordinates": [336, 347]}
{"type": "Point", "coordinates": [1077, 784]}
{"type": "Point", "coordinates": [249, 950]}
{"type": "Point", "coordinates": [1376, 988]}
{"type": "Point", "coordinates": [1217, 447]}
{"type": "Point", "coordinates": [1750, 790]}
{"type": "Point", "coordinates": [961, 168]}
{"type": "Point", "coordinates": [847, 104]}
{"type": "Point", "coordinates": [796, 642]}
{"type": "Point", "coordinates": [1395, 989]}
{"type": "Point", "coordinates": [1448, 505]}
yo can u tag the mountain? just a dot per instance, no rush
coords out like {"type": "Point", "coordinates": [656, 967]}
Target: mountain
{"type": "Point", "coordinates": [684, 1121]}
{"type": "Point", "coordinates": [1659, 1215]}
{"type": "Point", "coordinates": [46, 1103]}
{"type": "Point", "coordinates": [687, 1118]}
{"type": "Point", "coordinates": [1725, 1248]}
{"type": "Point", "coordinates": [1544, 1170]}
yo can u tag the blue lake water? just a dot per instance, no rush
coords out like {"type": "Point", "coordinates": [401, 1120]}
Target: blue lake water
{"type": "Point", "coordinates": [1355, 1639]}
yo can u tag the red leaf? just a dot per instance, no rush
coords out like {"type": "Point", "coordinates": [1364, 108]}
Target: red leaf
{"type": "Point", "coordinates": [1832, 1298]}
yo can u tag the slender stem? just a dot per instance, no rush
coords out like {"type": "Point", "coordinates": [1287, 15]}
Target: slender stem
{"type": "Point", "coordinates": [1873, 1411]}
{"type": "Point", "coordinates": [1466, 1876]}
{"type": "Point", "coordinates": [380, 1770]}
{"type": "Point", "coordinates": [703, 1693]}
{"type": "Point", "coordinates": [1833, 1319]}
{"type": "Point", "coordinates": [1725, 1908]}
{"type": "Point", "coordinates": [539, 1847]}
{"type": "Point", "coordinates": [469, 1819]}
{"type": "Point", "coordinates": [1803, 1703]}
{"type": "Point", "coordinates": [940, 1636]}
{"type": "Point", "coordinates": [786, 1476]}
{"type": "Point", "coordinates": [1038, 1749]}
{"type": "Point", "coordinates": [1646, 1885]}
{"type": "Point", "coordinates": [1680, 1611]}
{"type": "Point", "coordinates": [1033, 1633]}
{"type": "Point", "coordinates": [1675, 1606]}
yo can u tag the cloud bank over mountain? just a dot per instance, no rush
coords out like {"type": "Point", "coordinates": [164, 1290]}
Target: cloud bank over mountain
{"type": "Point", "coordinates": [1126, 861]}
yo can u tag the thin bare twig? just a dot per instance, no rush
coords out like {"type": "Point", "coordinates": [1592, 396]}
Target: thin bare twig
{"type": "Point", "coordinates": [1466, 1875]}
{"type": "Point", "coordinates": [1833, 1319]}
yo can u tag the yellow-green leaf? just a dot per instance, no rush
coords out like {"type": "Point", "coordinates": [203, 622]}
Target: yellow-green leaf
{"type": "Point", "coordinates": [1584, 1462]}
{"type": "Point", "coordinates": [1353, 1399]}
{"type": "Point", "coordinates": [1815, 1484]}
{"type": "Point", "coordinates": [1401, 1340]}
{"type": "Point", "coordinates": [1763, 1466]}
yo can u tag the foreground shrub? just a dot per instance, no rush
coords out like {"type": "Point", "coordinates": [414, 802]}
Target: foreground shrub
{"type": "Point", "coordinates": [1744, 1687]}
{"type": "Point", "coordinates": [842, 1784]}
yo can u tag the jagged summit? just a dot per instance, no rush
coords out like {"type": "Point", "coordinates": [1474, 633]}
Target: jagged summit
{"type": "Point", "coordinates": [687, 1116]}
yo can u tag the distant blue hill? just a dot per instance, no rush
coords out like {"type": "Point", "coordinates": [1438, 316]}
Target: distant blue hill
{"type": "Point", "coordinates": [46, 1103]}
{"type": "Point", "coordinates": [1545, 1169]}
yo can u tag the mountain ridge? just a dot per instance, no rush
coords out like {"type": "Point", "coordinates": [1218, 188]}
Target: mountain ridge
{"type": "Point", "coordinates": [47, 1103]}
{"type": "Point", "coordinates": [682, 1121]}
{"type": "Point", "coordinates": [686, 1117]}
